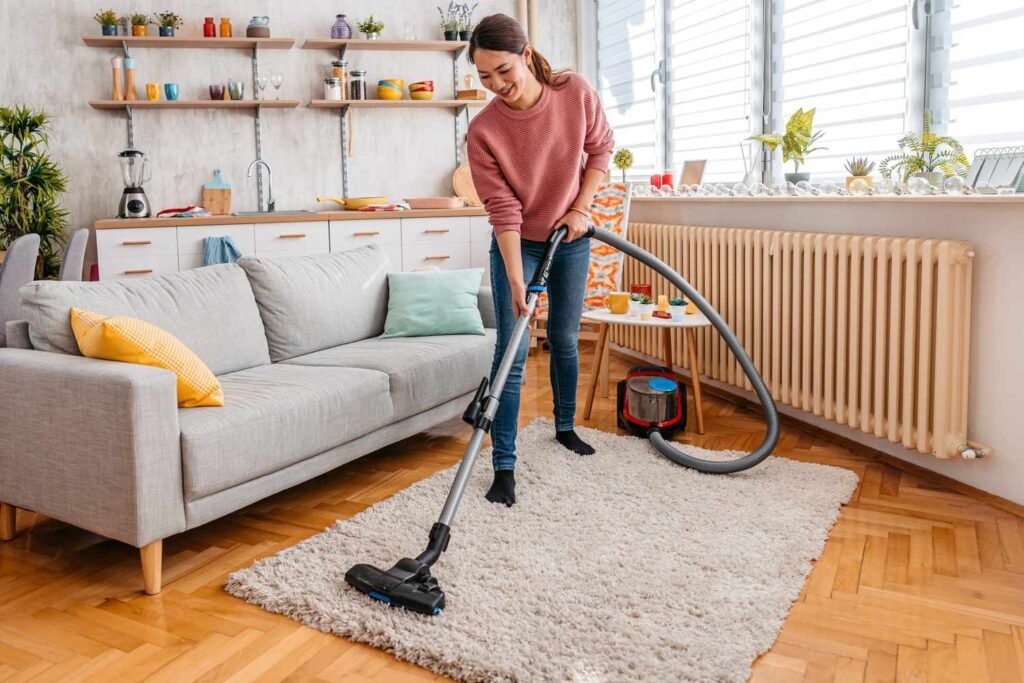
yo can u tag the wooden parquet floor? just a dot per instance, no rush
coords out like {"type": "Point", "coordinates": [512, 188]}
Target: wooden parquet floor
{"type": "Point", "coordinates": [916, 582]}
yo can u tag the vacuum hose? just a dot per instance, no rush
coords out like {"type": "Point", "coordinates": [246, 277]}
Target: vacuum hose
{"type": "Point", "coordinates": [771, 415]}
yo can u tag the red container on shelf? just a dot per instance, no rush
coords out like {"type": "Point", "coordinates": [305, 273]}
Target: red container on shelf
{"type": "Point", "coordinates": [656, 180]}
{"type": "Point", "coordinates": [209, 28]}
{"type": "Point", "coordinates": [667, 180]}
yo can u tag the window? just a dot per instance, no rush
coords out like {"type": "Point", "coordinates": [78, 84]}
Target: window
{"type": "Point", "coordinates": [682, 79]}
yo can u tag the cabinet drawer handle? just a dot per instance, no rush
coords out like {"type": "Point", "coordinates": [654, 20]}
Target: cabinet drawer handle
{"type": "Point", "coordinates": [439, 257]}
{"type": "Point", "coordinates": [136, 243]}
{"type": "Point", "coordinates": [138, 271]}
{"type": "Point", "coordinates": [437, 231]}
{"type": "Point", "coordinates": [365, 233]}
{"type": "Point", "coordinates": [292, 235]}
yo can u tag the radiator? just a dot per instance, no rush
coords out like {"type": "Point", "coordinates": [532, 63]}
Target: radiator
{"type": "Point", "coordinates": [870, 332]}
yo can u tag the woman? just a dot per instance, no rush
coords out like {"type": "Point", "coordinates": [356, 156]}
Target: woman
{"type": "Point", "coordinates": [526, 153]}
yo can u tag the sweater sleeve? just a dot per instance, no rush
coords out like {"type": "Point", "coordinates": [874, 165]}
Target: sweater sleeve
{"type": "Point", "coordinates": [599, 141]}
{"type": "Point", "coordinates": [504, 209]}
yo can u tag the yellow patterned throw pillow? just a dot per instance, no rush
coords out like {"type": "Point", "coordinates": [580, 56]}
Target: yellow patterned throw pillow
{"type": "Point", "coordinates": [131, 340]}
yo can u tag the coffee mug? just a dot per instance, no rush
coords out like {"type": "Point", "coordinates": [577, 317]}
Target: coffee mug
{"type": "Point", "coordinates": [152, 92]}
{"type": "Point", "coordinates": [171, 91]}
{"type": "Point", "coordinates": [617, 302]}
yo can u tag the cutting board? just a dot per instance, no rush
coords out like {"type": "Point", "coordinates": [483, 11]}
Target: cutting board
{"type": "Point", "coordinates": [462, 182]}
{"type": "Point", "coordinates": [217, 195]}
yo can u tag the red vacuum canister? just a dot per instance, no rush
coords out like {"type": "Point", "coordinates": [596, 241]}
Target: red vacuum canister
{"type": "Point", "coordinates": [650, 398]}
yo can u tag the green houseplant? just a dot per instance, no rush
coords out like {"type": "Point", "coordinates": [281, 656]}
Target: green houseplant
{"type": "Point", "coordinates": [797, 142]}
{"type": "Point", "coordinates": [930, 156]}
{"type": "Point", "coordinates": [450, 21]}
{"type": "Point", "coordinates": [623, 160]}
{"type": "Point", "coordinates": [167, 21]}
{"type": "Point", "coordinates": [371, 27]}
{"type": "Point", "coordinates": [107, 19]}
{"type": "Point", "coordinates": [859, 167]}
{"type": "Point", "coordinates": [30, 186]}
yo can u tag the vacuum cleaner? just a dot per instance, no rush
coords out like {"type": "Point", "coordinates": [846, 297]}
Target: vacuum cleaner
{"type": "Point", "coordinates": [409, 584]}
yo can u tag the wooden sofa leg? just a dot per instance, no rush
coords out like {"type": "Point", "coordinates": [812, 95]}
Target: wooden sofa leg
{"type": "Point", "coordinates": [8, 521]}
{"type": "Point", "coordinates": [152, 562]}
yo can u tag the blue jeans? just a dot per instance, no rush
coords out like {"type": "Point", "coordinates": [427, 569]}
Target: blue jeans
{"type": "Point", "coordinates": [567, 284]}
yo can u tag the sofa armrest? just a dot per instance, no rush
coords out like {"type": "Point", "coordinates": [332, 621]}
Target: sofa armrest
{"type": "Point", "coordinates": [93, 443]}
{"type": "Point", "coordinates": [485, 301]}
{"type": "Point", "coordinates": [17, 334]}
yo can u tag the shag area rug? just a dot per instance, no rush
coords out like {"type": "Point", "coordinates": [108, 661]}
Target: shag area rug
{"type": "Point", "coordinates": [613, 567]}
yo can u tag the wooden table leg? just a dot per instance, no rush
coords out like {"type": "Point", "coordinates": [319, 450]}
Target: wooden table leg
{"type": "Point", "coordinates": [666, 342]}
{"type": "Point", "coordinates": [605, 365]}
{"type": "Point", "coordinates": [691, 347]}
{"type": "Point", "coordinates": [595, 371]}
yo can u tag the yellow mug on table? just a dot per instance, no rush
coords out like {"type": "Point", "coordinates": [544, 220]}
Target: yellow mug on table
{"type": "Point", "coordinates": [152, 92]}
{"type": "Point", "coordinates": [617, 302]}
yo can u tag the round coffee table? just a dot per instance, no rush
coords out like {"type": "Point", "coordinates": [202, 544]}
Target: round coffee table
{"type": "Point", "coordinates": [689, 323]}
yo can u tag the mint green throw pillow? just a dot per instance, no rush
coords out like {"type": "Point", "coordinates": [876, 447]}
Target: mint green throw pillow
{"type": "Point", "coordinates": [428, 303]}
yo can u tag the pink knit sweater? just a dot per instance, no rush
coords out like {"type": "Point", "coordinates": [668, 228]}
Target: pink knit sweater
{"type": "Point", "coordinates": [527, 165]}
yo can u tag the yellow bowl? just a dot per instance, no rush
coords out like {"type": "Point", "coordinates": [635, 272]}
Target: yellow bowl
{"type": "Point", "coordinates": [387, 93]}
{"type": "Point", "coordinates": [422, 94]}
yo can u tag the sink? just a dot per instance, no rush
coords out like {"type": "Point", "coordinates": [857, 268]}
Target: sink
{"type": "Point", "coordinates": [278, 212]}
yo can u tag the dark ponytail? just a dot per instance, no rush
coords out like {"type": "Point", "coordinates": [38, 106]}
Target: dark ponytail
{"type": "Point", "coordinates": [502, 33]}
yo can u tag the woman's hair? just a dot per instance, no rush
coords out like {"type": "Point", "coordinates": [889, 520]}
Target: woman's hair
{"type": "Point", "coordinates": [502, 33]}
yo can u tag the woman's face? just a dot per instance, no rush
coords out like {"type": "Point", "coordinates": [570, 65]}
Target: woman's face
{"type": "Point", "coordinates": [504, 73]}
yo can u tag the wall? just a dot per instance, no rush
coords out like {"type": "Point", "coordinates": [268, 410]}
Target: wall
{"type": "Point", "coordinates": [398, 153]}
{"type": "Point", "coordinates": [996, 229]}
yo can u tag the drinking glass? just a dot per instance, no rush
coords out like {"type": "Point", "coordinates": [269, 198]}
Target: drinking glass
{"type": "Point", "coordinates": [276, 79]}
{"type": "Point", "coordinates": [261, 85]}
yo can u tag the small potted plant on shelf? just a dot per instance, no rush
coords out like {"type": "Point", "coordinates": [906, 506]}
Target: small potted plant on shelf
{"type": "Point", "coordinates": [168, 22]}
{"type": "Point", "coordinates": [450, 21]}
{"type": "Point", "coordinates": [623, 160]}
{"type": "Point", "coordinates": [466, 21]}
{"type": "Point", "coordinates": [677, 307]}
{"type": "Point", "coordinates": [922, 157]}
{"type": "Point", "coordinates": [797, 142]}
{"type": "Point", "coordinates": [139, 24]}
{"type": "Point", "coordinates": [371, 28]}
{"type": "Point", "coordinates": [859, 168]}
{"type": "Point", "coordinates": [646, 307]}
{"type": "Point", "coordinates": [107, 20]}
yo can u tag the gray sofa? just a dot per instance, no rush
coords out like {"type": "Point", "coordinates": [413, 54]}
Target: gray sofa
{"type": "Point", "coordinates": [308, 386]}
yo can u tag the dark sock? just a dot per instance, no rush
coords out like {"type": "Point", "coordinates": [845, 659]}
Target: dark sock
{"type": "Point", "coordinates": [503, 490]}
{"type": "Point", "coordinates": [570, 440]}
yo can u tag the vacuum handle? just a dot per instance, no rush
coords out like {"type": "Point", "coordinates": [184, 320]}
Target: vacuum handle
{"type": "Point", "coordinates": [540, 277]}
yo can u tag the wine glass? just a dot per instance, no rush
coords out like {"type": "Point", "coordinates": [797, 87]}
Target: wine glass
{"type": "Point", "coordinates": [261, 85]}
{"type": "Point", "coordinates": [276, 79]}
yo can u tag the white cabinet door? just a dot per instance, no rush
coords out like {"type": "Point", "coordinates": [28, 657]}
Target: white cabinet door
{"type": "Point", "coordinates": [123, 242]}
{"type": "Point", "coordinates": [444, 256]}
{"type": "Point", "coordinates": [480, 230]}
{"type": "Point", "coordinates": [351, 234]}
{"type": "Point", "coordinates": [190, 238]}
{"type": "Point", "coordinates": [130, 267]}
{"type": "Point", "coordinates": [292, 239]}
{"type": "Point", "coordinates": [480, 257]}
{"type": "Point", "coordinates": [436, 231]}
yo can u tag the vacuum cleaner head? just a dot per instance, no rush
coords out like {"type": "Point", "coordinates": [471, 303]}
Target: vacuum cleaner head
{"type": "Point", "coordinates": [408, 585]}
{"type": "Point", "coordinates": [651, 399]}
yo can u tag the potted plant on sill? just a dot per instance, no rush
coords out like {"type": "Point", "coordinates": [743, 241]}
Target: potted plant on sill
{"type": "Point", "coordinates": [168, 22]}
{"type": "Point", "coordinates": [466, 21]}
{"type": "Point", "coordinates": [623, 160]}
{"type": "Point", "coordinates": [139, 24]}
{"type": "Point", "coordinates": [797, 142]}
{"type": "Point", "coordinates": [859, 169]}
{"type": "Point", "coordinates": [31, 183]}
{"type": "Point", "coordinates": [371, 28]}
{"type": "Point", "coordinates": [930, 156]}
{"type": "Point", "coordinates": [645, 307]}
{"type": "Point", "coordinates": [450, 21]}
{"type": "Point", "coordinates": [107, 20]}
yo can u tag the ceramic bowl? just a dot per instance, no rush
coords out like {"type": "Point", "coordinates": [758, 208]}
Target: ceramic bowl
{"type": "Point", "coordinates": [421, 85]}
{"type": "Point", "coordinates": [388, 91]}
{"type": "Point", "coordinates": [421, 94]}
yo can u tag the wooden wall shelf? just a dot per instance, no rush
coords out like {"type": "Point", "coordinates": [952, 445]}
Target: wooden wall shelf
{"type": "Point", "coordinates": [395, 104]}
{"type": "Point", "coordinates": [189, 42]}
{"type": "Point", "coordinates": [193, 104]}
{"type": "Point", "coordinates": [385, 45]}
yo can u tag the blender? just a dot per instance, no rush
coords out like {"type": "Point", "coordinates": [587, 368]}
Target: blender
{"type": "Point", "coordinates": [135, 172]}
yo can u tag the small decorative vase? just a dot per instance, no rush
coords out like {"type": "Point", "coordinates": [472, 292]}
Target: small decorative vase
{"type": "Point", "coordinates": [371, 36]}
{"type": "Point", "coordinates": [138, 30]}
{"type": "Point", "coordinates": [677, 312]}
{"type": "Point", "coordinates": [646, 311]}
{"type": "Point", "coordinates": [109, 29]}
{"type": "Point", "coordinates": [465, 35]}
{"type": "Point", "coordinates": [797, 177]}
{"type": "Point", "coordinates": [451, 35]}
{"type": "Point", "coordinates": [341, 29]}
{"type": "Point", "coordinates": [166, 31]}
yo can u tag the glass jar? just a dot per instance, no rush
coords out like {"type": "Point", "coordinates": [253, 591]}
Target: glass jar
{"type": "Point", "coordinates": [209, 28]}
{"type": "Point", "coordinates": [339, 69]}
{"type": "Point", "coordinates": [357, 85]}
{"type": "Point", "coordinates": [332, 89]}
{"type": "Point", "coordinates": [225, 27]}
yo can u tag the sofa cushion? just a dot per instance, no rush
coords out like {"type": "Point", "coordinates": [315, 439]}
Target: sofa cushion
{"type": "Point", "coordinates": [211, 310]}
{"type": "Point", "coordinates": [275, 416]}
{"type": "Point", "coordinates": [309, 303]}
{"type": "Point", "coordinates": [424, 371]}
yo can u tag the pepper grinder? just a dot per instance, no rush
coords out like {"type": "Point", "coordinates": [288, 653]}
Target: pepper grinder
{"type": "Point", "coordinates": [129, 79]}
{"type": "Point", "coordinates": [115, 67]}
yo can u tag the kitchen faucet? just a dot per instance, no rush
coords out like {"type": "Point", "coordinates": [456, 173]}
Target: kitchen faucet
{"type": "Point", "coordinates": [270, 184]}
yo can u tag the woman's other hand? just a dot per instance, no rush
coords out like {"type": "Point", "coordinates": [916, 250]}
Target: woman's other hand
{"type": "Point", "coordinates": [576, 222]}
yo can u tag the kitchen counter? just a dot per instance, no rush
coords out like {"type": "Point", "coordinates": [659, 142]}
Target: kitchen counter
{"type": "Point", "coordinates": [230, 219]}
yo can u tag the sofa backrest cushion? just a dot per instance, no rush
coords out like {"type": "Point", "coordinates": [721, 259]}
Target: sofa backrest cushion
{"type": "Point", "coordinates": [211, 310]}
{"type": "Point", "coordinates": [311, 303]}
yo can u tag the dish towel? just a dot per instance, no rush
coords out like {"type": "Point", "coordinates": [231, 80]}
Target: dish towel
{"type": "Point", "coordinates": [219, 249]}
